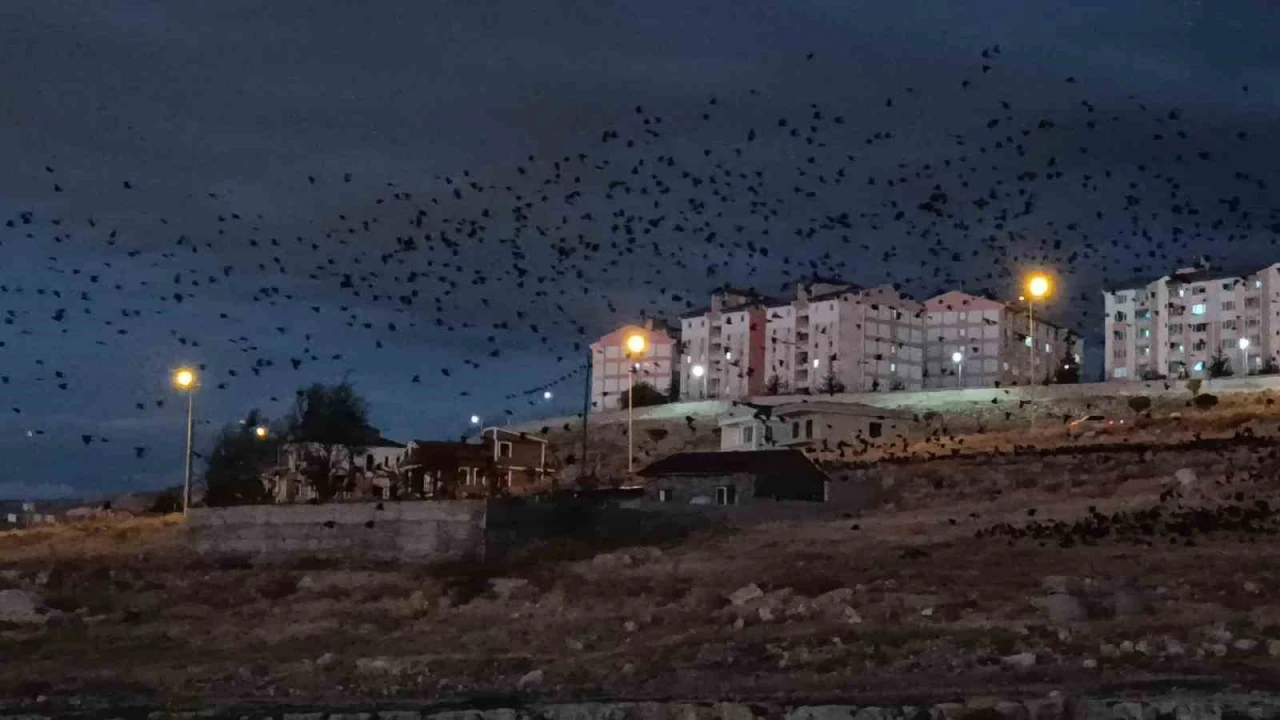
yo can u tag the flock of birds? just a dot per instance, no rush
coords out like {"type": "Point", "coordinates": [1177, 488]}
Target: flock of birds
{"type": "Point", "coordinates": [643, 220]}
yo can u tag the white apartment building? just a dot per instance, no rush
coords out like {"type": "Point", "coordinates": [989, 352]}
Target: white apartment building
{"type": "Point", "coordinates": [836, 335]}
{"type": "Point", "coordinates": [1173, 325]}
{"type": "Point", "coordinates": [993, 342]}
{"type": "Point", "coordinates": [722, 347]}
{"type": "Point", "coordinates": [613, 367]}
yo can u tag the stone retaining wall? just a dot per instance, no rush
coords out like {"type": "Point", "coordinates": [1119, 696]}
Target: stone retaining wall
{"type": "Point", "coordinates": [400, 531]}
{"type": "Point", "coordinates": [1055, 706]}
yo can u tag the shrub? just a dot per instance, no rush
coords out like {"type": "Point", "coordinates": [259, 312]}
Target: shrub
{"type": "Point", "coordinates": [1205, 401]}
{"type": "Point", "coordinates": [1140, 403]}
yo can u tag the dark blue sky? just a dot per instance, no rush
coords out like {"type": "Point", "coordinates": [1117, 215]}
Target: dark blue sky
{"type": "Point", "coordinates": [217, 113]}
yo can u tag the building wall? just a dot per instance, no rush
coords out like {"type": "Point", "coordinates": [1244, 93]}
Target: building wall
{"type": "Point", "coordinates": [611, 364]}
{"type": "Point", "coordinates": [728, 343]}
{"type": "Point", "coordinates": [700, 490]}
{"type": "Point", "coordinates": [405, 532]}
{"type": "Point", "coordinates": [992, 338]}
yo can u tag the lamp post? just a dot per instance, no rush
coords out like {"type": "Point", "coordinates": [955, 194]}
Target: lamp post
{"type": "Point", "coordinates": [636, 344]}
{"type": "Point", "coordinates": [700, 372]}
{"type": "Point", "coordinates": [1037, 287]}
{"type": "Point", "coordinates": [184, 379]}
{"type": "Point", "coordinates": [957, 357]}
{"type": "Point", "coordinates": [1244, 351]}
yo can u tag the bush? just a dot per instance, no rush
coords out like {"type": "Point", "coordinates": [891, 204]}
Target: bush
{"type": "Point", "coordinates": [1140, 404]}
{"type": "Point", "coordinates": [1194, 385]}
{"type": "Point", "coordinates": [1205, 401]}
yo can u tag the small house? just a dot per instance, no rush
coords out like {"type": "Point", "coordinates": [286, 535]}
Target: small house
{"type": "Point", "coordinates": [735, 478]}
{"type": "Point", "coordinates": [818, 425]}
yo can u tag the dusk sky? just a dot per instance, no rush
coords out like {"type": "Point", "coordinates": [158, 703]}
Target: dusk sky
{"type": "Point", "coordinates": [247, 187]}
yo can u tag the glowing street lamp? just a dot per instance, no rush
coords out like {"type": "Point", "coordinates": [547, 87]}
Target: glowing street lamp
{"type": "Point", "coordinates": [957, 357]}
{"type": "Point", "coordinates": [636, 344]}
{"type": "Point", "coordinates": [546, 395]}
{"type": "Point", "coordinates": [184, 379]}
{"type": "Point", "coordinates": [475, 419]}
{"type": "Point", "coordinates": [260, 432]}
{"type": "Point", "coordinates": [1244, 350]}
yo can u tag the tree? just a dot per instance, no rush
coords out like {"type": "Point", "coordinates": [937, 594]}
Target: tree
{"type": "Point", "coordinates": [1205, 401]}
{"type": "Point", "coordinates": [1139, 404]}
{"type": "Point", "coordinates": [831, 384]}
{"type": "Point", "coordinates": [233, 474]}
{"type": "Point", "coordinates": [1194, 386]}
{"type": "Point", "coordinates": [1068, 370]}
{"type": "Point", "coordinates": [329, 426]}
{"type": "Point", "coordinates": [774, 386]}
{"type": "Point", "coordinates": [1219, 365]}
{"type": "Point", "coordinates": [1269, 367]}
{"type": "Point", "coordinates": [646, 396]}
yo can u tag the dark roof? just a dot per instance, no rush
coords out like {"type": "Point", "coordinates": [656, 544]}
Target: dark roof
{"type": "Point", "coordinates": [761, 462]}
{"type": "Point", "coordinates": [1192, 276]}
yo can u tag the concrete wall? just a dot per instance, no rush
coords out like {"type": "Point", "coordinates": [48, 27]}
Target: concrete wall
{"type": "Point", "coordinates": [401, 531]}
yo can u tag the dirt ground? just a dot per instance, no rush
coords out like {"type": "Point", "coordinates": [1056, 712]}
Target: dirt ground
{"type": "Point", "coordinates": [957, 588]}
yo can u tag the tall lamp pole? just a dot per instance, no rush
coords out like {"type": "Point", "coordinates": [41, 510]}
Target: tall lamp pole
{"type": "Point", "coordinates": [636, 345]}
{"type": "Point", "coordinates": [957, 357]}
{"type": "Point", "coordinates": [1037, 287]}
{"type": "Point", "coordinates": [184, 379]}
{"type": "Point", "coordinates": [1244, 351]}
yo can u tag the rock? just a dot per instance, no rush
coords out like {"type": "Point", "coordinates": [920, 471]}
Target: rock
{"type": "Point", "coordinates": [505, 587]}
{"type": "Point", "coordinates": [1218, 634]}
{"type": "Point", "coordinates": [1218, 649]}
{"type": "Point", "coordinates": [1127, 711]}
{"type": "Point", "coordinates": [1143, 647]}
{"type": "Point", "coordinates": [1252, 587]}
{"type": "Point", "coordinates": [766, 614]}
{"type": "Point", "coordinates": [1010, 710]}
{"type": "Point", "coordinates": [1245, 644]}
{"type": "Point", "coordinates": [1020, 661]}
{"type": "Point", "coordinates": [630, 626]}
{"type": "Point", "coordinates": [1173, 648]}
{"type": "Point", "coordinates": [927, 612]}
{"type": "Point", "coordinates": [1126, 602]}
{"type": "Point", "coordinates": [1089, 664]}
{"type": "Point", "coordinates": [745, 594]}
{"type": "Point", "coordinates": [1107, 650]}
{"type": "Point", "coordinates": [1066, 609]}
{"type": "Point", "coordinates": [1056, 583]}
{"type": "Point", "coordinates": [1186, 477]}
{"type": "Point", "coordinates": [835, 598]}
{"type": "Point", "coordinates": [573, 644]}
{"type": "Point", "coordinates": [326, 660]}
{"type": "Point", "coordinates": [1126, 647]}
{"type": "Point", "coordinates": [529, 679]}
{"type": "Point", "coordinates": [851, 616]}
{"type": "Point", "coordinates": [1273, 648]}
{"type": "Point", "coordinates": [732, 711]}
{"type": "Point", "coordinates": [21, 607]}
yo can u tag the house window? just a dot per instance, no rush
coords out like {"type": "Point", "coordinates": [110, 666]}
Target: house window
{"type": "Point", "coordinates": [664, 495]}
{"type": "Point", "coordinates": [1175, 328]}
{"type": "Point", "coordinates": [1143, 315]}
{"type": "Point", "coordinates": [808, 428]}
{"type": "Point", "coordinates": [1144, 333]}
{"type": "Point", "coordinates": [748, 435]}
{"type": "Point", "coordinates": [875, 429]}
{"type": "Point", "coordinates": [1027, 341]}
{"type": "Point", "coordinates": [1120, 372]}
{"type": "Point", "coordinates": [1251, 302]}
{"type": "Point", "coordinates": [1199, 327]}
{"type": "Point", "coordinates": [1198, 366]}
{"type": "Point", "coordinates": [1198, 309]}
{"type": "Point", "coordinates": [1229, 305]}
{"type": "Point", "coordinates": [368, 462]}
{"type": "Point", "coordinates": [504, 449]}
{"type": "Point", "coordinates": [1226, 286]}
{"type": "Point", "coordinates": [1120, 316]}
{"type": "Point", "coordinates": [726, 495]}
{"type": "Point", "coordinates": [795, 430]}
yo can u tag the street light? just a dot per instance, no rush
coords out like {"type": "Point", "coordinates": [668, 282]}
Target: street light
{"type": "Point", "coordinates": [546, 395]}
{"type": "Point", "coordinates": [261, 432]}
{"type": "Point", "coordinates": [957, 357]}
{"type": "Point", "coordinates": [637, 344]}
{"type": "Point", "coordinates": [475, 419]}
{"type": "Point", "coordinates": [184, 379]}
{"type": "Point", "coordinates": [1244, 350]}
{"type": "Point", "coordinates": [699, 371]}
{"type": "Point", "coordinates": [1037, 288]}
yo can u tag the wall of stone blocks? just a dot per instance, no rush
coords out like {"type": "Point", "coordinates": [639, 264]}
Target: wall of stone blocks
{"type": "Point", "coordinates": [398, 531]}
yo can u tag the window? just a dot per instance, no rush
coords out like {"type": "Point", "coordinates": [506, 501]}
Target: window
{"type": "Point", "coordinates": [1120, 372]}
{"type": "Point", "coordinates": [1199, 290]}
{"type": "Point", "coordinates": [875, 429]}
{"type": "Point", "coordinates": [808, 428]}
{"type": "Point", "coordinates": [1199, 327]}
{"type": "Point", "coordinates": [1199, 346]}
{"type": "Point", "coordinates": [1182, 292]}
{"type": "Point", "coordinates": [795, 430]}
{"type": "Point", "coordinates": [664, 495]}
{"type": "Point", "coordinates": [1118, 335]}
{"type": "Point", "coordinates": [1142, 315]}
{"type": "Point", "coordinates": [748, 435]}
{"type": "Point", "coordinates": [1027, 341]}
{"type": "Point", "coordinates": [1198, 309]}
{"type": "Point", "coordinates": [1120, 316]}
{"type": "Point", "coordinates": [1175, 328]}
{"type": "Point", "coordinates": [726, 495]}
{"type": "Point", "coordinates": [1198, 367]}
{"type": "Point", "coordinates": [1048, 347]}
{"type": "Point", "coordinates": [1229, 305]}
{"type": "Point", "coordinates": [1257, 284]}
{"type": "Point", "coordinates": [893, 367]}
{"type": "Point", "coordinates": [1144, 333]}
{"type": "Point", "coordinates": [504, 449]}
{"type": "Point", "coordinates": [1226, 286]}
{"type": "Point", "coordinates": [1228, 324]}
{"type": "Point", "coordinates": [1251, 302]}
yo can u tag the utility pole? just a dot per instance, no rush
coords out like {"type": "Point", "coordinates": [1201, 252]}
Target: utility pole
{"type": "Point", "coordinates": [586, 413]}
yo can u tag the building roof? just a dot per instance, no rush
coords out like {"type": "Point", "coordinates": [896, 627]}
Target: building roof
{"type": "Point", "coordinates": [1185, 275]}
{"type": "Point", "coordinates": [513, 433]}
{"type": "Point", "coordinates": [755, 462]}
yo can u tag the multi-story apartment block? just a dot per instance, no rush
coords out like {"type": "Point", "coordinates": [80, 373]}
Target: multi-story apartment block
{"type": "Point", "coordinates": [838, 336]}
{"type": "Point", "coordinates": [1173, 325]}
{"type": "Point", "coordinates": [723, 347]}
{"type": "Point", "coordinates": [993, 343]}
{"type": "Point", "coordinates": [612, 365]}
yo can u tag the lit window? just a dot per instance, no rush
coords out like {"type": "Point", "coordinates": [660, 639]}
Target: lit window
{"type": "Point", "coordinates": [815, 362]}
{"type": "Point", "coordinates": [1182, 292]}
{"type": "Point", "coordinates": [1121, 372]}
{"type": "Point", "coordinates": [1198, 366]}
{"type": "Point", "coordinates": [893, 367]}
{"type": "Point", "coordinates": [1198, 309]}
{"type": "Point", "coordinates": [1257, 283]}
{"type": "Point", "coordinates": [1027, 341]}
{"type": "Point", "coordinates": [1047, 348]}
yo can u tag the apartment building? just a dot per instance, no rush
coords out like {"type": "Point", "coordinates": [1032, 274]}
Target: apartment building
{"type": "Point", "coordinates": [993, 343]}
{"type": "Point", "coordinates": [612, 364]}
{"type": "Point", "coordinates": [723, 347]}
{"type": "Point", "coordinates": [836, 336]}
{"type": "Point", "coordinates": [1173, 325]}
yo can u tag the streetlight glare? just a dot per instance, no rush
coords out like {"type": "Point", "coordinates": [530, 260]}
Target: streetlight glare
{"type": "Point", "coordinates": [1244, 343]}
{"type": "Point", "coordinates": [184, 378]}
{"type": "Point", "coordinates": [260, 431]}
{"type": "Point", "coordinates": [956, 357]}
{"type": "Point", "coordinates": [698, 371]}
{"type": "Point", "coordinates": [546, 395]}
{"type": "Point", "coordinates": [637, 343]}
{"type": "Point", "coordinates": [1038, 286]}
{"type": "Point", "coordinates": [475, 419]}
